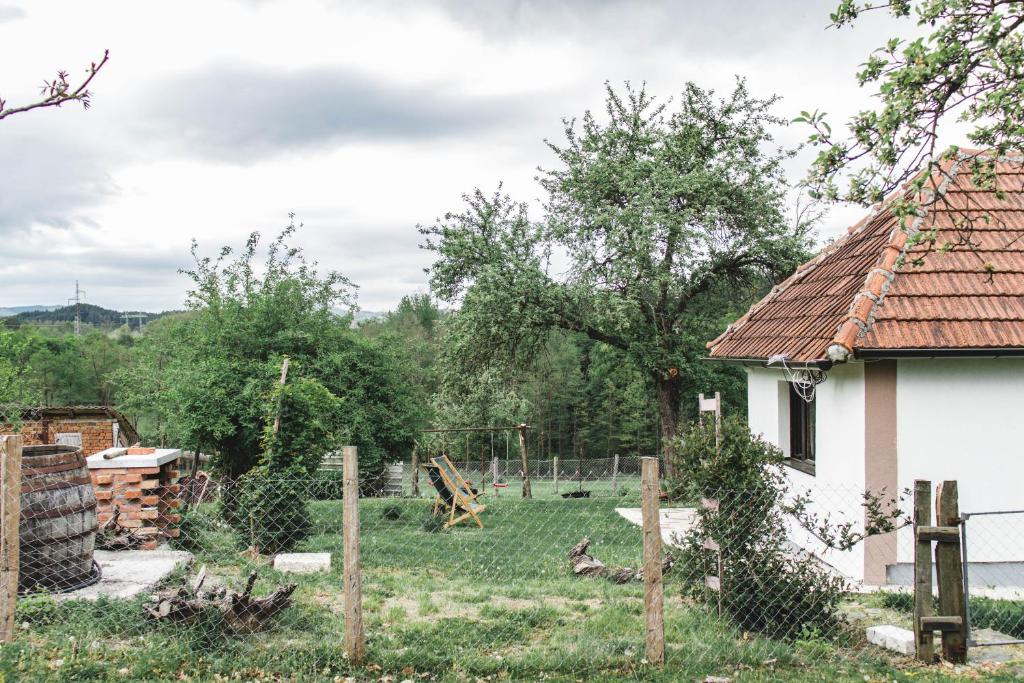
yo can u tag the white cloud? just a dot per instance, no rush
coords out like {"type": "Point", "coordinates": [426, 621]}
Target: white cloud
{"type": "Point", "coordinates": [363, 118]}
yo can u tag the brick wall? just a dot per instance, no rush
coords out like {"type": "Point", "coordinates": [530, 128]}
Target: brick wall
{"type": "Point", "coordinates": [145, 497]}
{"type": "Point", "coordinates": [97, 435]}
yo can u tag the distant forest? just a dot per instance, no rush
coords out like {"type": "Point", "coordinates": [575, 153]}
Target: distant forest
{"type": "Point", "coordinates": [92, 315]}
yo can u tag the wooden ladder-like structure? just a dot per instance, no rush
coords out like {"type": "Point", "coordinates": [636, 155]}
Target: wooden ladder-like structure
{"type": "Point", "coordinates": [949, 572]}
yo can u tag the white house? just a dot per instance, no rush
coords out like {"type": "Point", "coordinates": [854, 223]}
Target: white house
{"type": "Point", "coordinates": [917, 369]}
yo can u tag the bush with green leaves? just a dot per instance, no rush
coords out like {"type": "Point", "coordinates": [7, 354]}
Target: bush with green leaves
{"type": "Point", "coordinates": [200, 379]}
{"type": "Point", "coordinates": [766, 585]}
{"type": "Point", "coordinates": [267, 506]}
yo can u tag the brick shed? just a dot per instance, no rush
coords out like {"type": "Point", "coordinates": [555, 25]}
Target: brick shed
{"type": "Point", "coordinates": [94, 428]}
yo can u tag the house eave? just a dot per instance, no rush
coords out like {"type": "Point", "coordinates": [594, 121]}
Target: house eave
{"type": "Point", "coordinates": [981, 352]}
{"type": "Point", "coordinates": [820, 364]}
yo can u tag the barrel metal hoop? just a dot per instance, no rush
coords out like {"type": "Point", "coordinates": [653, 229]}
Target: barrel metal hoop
{"type": "Point", "coordinates": [63, 484]}
{"type": "Point", "coordinates": [59, 512]}
{"type": "Point", "coordinates": [53, 469]}
{"type": "Point", "coordinates": [37, 542]}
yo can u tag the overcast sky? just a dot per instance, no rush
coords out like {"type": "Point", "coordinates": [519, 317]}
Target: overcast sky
{"type": "Point", "coordinates": [219, 117]}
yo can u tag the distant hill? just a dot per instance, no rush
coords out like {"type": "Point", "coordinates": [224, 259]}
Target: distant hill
{"type": "Point", "coordinates": [99, 317]}
{"type": "Point", "coordinates": [92, 315]}
{"type": "Point", "coordinates": [15, 310]}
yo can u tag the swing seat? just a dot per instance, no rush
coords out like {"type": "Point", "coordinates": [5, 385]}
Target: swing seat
{"type": "Point", "coordinates": [454, 495]}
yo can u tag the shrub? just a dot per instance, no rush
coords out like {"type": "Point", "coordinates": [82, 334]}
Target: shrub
{"type": "Point", "coordinates": [326, 485]}
{"type": "Point", "coordinates": [267, 506]}
{"type": "Point", "coordinates": [272, 513]}
{"type": "Point", "coordinates": [767, 586]}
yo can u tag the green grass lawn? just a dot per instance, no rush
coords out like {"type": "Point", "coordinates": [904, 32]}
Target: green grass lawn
{"type": "Point", "coordinates": [463, 605]}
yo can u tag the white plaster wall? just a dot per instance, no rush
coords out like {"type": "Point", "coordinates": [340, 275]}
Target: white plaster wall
{"type": "Point", "coordinates": [963, 419]}
{"type": "Point", "coordinates": [837, 486]}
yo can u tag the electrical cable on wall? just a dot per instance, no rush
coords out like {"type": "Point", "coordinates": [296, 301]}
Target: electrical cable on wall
{"type": "Point", "coordinates": [803, 380]}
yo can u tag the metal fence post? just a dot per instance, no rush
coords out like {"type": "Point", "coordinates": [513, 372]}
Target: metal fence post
{"type": "Point", "coordinates": [10, 514]}
{"type": "Point", "coordinates": [494, 475]}
{"type": "Point", "coordinates": [654, 591]}
{"type": "Point", "coordinates": [355, 641]}
{"type": "Point", "coordinates": [964, 516]}
{"type": "Point", "coordinates": [554, 470]}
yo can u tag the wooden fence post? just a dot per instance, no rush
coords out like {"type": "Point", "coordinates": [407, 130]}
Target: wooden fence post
{"type": "Point", "coordinates": [555, 473]}
{"type": "Point", "coordinates": [10, 515]}
{"type": "Point", "coordinates": [415, 471]}
{"type": "Point", "coordinates": [923, 640]}
{"type": "Point", "coordinates": [950, 573]}
{"type": "Point", "coordinates": [654, 591]}
{"type": "Point", "coordinates": [355, 641]}
{"type": "Point", "coordinates": [615, 475]}
{"type": "Point", "coordinates": [527, 493]}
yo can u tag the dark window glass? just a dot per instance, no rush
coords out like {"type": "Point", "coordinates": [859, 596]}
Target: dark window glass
{"type": "Point", "coordinates": [801, 428]}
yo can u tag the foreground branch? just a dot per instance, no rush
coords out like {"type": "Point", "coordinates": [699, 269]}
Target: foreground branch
{"type": "Point", "coordinates": [240, 611]}
{"type": "Point", "coordinates": [58, 91]}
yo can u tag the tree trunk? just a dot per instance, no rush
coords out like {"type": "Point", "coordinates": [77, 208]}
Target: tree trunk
{"type": "Point", "coordinates": [668, 405]}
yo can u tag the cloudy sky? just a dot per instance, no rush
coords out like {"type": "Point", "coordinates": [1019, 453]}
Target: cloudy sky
{"type": "Point", "coordinates": [217, 118]}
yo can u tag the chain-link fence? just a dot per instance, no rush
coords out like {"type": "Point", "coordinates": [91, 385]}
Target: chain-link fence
{"type": "Point", "coordinates": [247, 583]}
{"type": "Point", "coordinates": [993, 561]}
{"type": "Point", "coordinates": [565, 477]}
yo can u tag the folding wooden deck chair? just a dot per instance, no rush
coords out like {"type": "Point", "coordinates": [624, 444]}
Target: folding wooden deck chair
{"type": "Point", "coordinates": [454, 495]}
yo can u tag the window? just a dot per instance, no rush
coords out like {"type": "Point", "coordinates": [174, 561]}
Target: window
{"type": "Point", "coordinates": [69, 439]}
{"type": "Point", "coordinates": [801, 432]}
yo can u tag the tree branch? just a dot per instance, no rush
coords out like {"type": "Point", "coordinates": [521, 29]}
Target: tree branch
{"type": "Point", "coordinates": [58, 91]}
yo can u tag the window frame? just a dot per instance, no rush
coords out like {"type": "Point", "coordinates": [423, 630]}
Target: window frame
{"type": "Point", "coordinates": [802, 428]}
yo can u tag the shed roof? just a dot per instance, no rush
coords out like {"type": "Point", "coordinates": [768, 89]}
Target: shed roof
{"type": "Point", "coordinates": [55, 413]}
{"type": "Point", "coordinates": [864, 293]}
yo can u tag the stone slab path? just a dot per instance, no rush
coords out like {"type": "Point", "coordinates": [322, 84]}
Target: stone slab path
{"type": "Point", "coordinates": [127, 573]}
{"type": "Point", "coordinates": [675, 522]}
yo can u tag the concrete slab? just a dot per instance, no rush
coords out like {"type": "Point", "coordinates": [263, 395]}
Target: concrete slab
{"type": "Point", "coordinates": [127, 573]}
{"type": "Point", "coordinates": [892, 638]}
{"type": "Point", "coordinates": [302, 563]}
{"type": "Point", "coordinates": [993, 653]}
{"type": "Point", "coordinates": [675, 522]}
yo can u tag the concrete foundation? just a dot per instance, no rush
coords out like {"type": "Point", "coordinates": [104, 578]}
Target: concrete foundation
{"type": "Point", "coordinates": [127, 573]}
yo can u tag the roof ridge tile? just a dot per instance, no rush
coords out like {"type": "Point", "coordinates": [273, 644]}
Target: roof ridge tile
{"type": "Point", "coordinates": [860, 317]}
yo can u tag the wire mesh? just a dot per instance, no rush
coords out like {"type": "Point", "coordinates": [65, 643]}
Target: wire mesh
{"type": "Point", "coordinates": [993, 552]}
{"type": "Point", "coordinates": [248, 585]}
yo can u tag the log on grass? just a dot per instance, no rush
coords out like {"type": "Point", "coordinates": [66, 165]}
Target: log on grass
{"type": "Point", "coordinates": [245, 615]}
{"type": "Point", "coordinates": [240, 611]}
{"type": "Point", "coordinates": [584, 564]}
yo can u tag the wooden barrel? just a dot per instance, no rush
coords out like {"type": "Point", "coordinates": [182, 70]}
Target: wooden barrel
{"type": "Point", "coordinates": [58, 519]}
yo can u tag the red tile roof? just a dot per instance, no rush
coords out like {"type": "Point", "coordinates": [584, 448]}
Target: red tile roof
{"type": "Point", "coordinates": [864, 293]}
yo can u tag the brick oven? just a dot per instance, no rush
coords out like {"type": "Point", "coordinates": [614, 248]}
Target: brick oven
{"type": "Point", "coordinates": [92, 428]}
{"type": "Point", "coordinates": [142, 484]}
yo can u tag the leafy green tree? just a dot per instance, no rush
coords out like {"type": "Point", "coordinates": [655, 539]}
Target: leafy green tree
{"type": "Point", "coordinates": [968, 68]}
{"type": "Point", "coordinates": [202, 379]}
{"type": "Point", "coordinates": [16, 390]}
{"type": "Point", "coordinates": [268, 507]}
{"type": "Point", "coordinates": [654, 209]}
{"type": "Point", "coordinates": [414, 330]}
